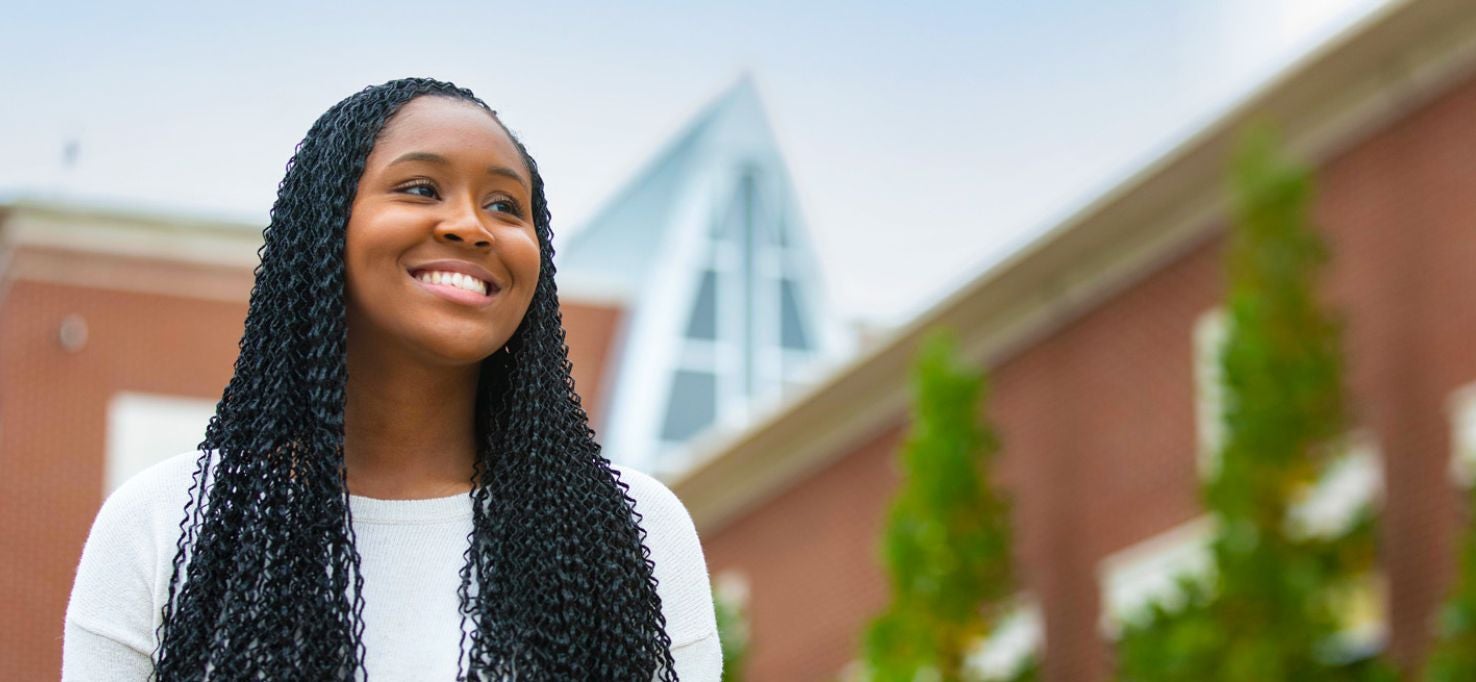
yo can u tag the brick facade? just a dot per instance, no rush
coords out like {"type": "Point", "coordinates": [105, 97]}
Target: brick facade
{"type": "Point", "coordinates": [1097, 422]}
{"type": "Point", "coordinates": [53, 411]}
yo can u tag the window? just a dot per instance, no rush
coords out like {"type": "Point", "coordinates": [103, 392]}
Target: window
{"type": "Point", "coordinates": [791, 323]}
{"type": "Point", "coordinates": [1210, 334]}
{"type": "Point", "coordinates": [1018, 637]}
{"type": "Point", "coordinates": [144, 429]}
{"type": "Point", "coordinates": [1463, 435]}
{"type": "Point", "coordinates": [1015, 639]}
{"type": "Point", "coordinates": [1148, 572]}
{"type": "Point", "coordinates": [691, 406]}
{"type": "Point", "coordinates": [1352, 480]}
{"type": "Point", "coordinates": [703, 323]}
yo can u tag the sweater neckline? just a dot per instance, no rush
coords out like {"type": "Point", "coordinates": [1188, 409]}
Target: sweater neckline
{"type": "Point", "coordinates": [456, 507]}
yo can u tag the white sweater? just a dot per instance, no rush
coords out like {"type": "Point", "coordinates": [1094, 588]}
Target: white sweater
{"type": "Point", "coordinates": [411, 554]}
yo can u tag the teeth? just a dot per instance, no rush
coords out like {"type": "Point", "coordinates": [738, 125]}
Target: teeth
{"type": "Point", "coordinates": [454, 279]}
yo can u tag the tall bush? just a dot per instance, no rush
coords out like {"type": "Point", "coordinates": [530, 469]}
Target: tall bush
{"type": "Point", "coordinates": [1271, 609]}
{"type": "Point", "coordinates": [946, 546]}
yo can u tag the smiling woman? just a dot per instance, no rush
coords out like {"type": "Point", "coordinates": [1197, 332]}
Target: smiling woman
{"type": "Point", "coordinates": [399, 479]}
{"type": "Point", "coordinates": [441, 252]}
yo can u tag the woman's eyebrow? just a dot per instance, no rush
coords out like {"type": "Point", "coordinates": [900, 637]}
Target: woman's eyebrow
{"type": "Point", "coordinates": [437, 159]}
{"type": "Point", "coordinates": [508, 172]}
{"type": "Point", "coordinates": [407, 157]}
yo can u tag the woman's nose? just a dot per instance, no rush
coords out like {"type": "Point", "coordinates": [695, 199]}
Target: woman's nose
{"type": "Point", "coordinates": [464, 226]}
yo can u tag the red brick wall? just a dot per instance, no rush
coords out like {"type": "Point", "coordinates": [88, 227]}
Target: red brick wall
{"type": "Point", "coordinates": [1097, 422]}
{"type": "Point", "coordinates": [1403, 217]}
{"type": "Point", "coordinates": [53, 411]}
{"type": "Point", "coordinates": [590, 330]}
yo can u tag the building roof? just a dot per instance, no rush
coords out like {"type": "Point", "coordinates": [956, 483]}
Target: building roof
{"type": "Point", "coordinates": [616, 250]}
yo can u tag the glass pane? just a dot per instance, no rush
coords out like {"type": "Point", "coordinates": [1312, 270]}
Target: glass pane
{"type": "Point", "coordinates": [692, 406]}
{"type": "Point", "coordinates": [791, 323]}
{"type": "Point", "coordinates": [703, 323]}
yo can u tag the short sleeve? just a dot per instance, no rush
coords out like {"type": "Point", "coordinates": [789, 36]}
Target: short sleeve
{"type": "Point", "coordinates": [681, 575]}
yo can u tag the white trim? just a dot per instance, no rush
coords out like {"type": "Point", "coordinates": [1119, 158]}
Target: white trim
{"type": "Point", "coordinates": [1018, 635]}
{"type": "Point", "coordinates": [173, 238]}
{"type": "Point", "coordinates": [1461, 406]}
{"type": "Point", "coordinates": [146, 428]}
{"type": "Point", "coordinates": [1133, 578]}
{"type": "Point", "coordinates": [1352, 479]}
{"type": "Point", "coordinates": [1211, 332]}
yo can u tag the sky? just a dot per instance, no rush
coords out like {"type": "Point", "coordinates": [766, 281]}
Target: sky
{"type": "Point", "coordinates": [927, 140]}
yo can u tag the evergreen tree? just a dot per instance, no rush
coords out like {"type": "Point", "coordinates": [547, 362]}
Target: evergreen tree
{"type": "Point", "coordinates": [946, 545]}
{"type": "Point", "coordinates": [1270, 611]}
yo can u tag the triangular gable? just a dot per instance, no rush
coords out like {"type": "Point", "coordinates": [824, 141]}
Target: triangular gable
{"type": "Point", "coordinates": [726, 310]}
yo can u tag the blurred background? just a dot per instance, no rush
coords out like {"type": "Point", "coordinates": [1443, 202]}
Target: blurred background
{"type": "Point", "coordinates": [761, 211]}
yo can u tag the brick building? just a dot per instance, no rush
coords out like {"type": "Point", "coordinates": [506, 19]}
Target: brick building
{"type": "Point", "coordinates": [1095, 339]}
{"type": "Point", "coordinates": [118, 330]}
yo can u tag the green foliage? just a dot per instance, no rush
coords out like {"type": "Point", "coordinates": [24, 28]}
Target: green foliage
{"type": "Point", "coordinates": [1454, 658]}
{"type": "Point", "coordinates": [732, 624]}
{"type": "Point", "coordinates": [946, 545]}
{"type": "Point", "coordinates": [1270, 610]}
{"type": "Point", "coordinates": [1029, 671]}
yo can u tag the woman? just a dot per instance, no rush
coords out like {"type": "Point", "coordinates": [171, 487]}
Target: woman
{"type": "Point", "coordinates": [399, 481]}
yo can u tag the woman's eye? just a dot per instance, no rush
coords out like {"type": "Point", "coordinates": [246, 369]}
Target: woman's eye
{"type": "Point", "coordinates": [420, 190]}
{"type": "Point", "coordinates": [505, 206]}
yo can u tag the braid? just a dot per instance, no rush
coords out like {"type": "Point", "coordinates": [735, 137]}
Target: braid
{"type": "Point", "coordinates": [266, 583]}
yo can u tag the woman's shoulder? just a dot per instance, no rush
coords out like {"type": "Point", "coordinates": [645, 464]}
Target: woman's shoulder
{"type": "Point", "coordinates": [160, 490]}
{"type": "Point", "coordinates": [141, 518]}
{"type": "Point", "coordinates": [138, 525]}
{"type": "Point", "coordinates": [676, 551]}
{"type": "Point", "coordinates": [127, 559]}
{"type": "Point", "coordinates": [652, 497]}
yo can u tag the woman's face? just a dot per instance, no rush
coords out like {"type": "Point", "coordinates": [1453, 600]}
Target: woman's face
{"type": "Point", "coordinates": [441, 253]}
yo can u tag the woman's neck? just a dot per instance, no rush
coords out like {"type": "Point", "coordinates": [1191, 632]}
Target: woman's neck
{"type": "Point", "coordinates": [409, 429]}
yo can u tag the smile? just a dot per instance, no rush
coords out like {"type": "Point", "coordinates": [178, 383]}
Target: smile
{"type": "Point", "coordinates": [456, 287]}
{"type": "Point", "coordinates": [454, 279]}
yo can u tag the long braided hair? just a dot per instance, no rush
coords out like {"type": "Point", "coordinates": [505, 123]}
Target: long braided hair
{"type": "Point", "coordinates": [266, 581]}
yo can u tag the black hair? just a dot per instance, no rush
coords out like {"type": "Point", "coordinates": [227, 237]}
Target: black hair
{"type": "Point", "coordinates": [266, 581]}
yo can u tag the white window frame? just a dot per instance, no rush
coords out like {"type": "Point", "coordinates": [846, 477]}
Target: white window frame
{"type": "Point", "coordinates": [1461, 407]}
{"type": "Point", "coordinates": [1018, 635]}
{"type": "Point", "coordinates": [1211, 331]}
{"type": "Point", "coordinates": [147, 428]}
{"type": "Point", "coordinates": [1351, 480]}
{"type": "Point", "coordinates": [1131, 579]}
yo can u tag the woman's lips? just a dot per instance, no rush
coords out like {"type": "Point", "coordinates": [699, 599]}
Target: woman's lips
{"type": "Point", "coordinates": [457, 294]}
